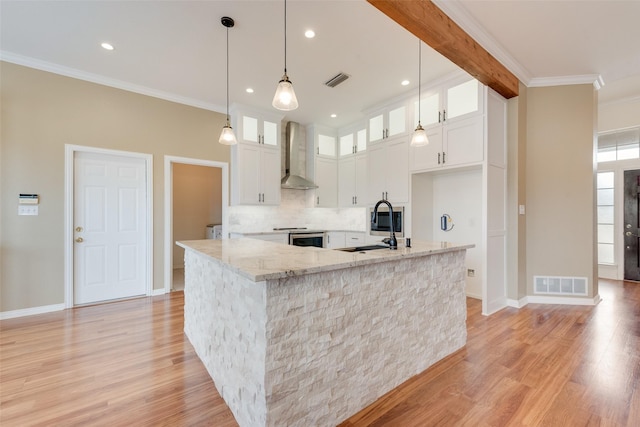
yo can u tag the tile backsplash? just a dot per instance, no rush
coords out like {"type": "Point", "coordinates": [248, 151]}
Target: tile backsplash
{"type": "Point", "coordinates": [296, 210]}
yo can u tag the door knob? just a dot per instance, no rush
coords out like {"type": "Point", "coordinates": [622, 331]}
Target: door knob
{"type": "Point", "coordinates": [628, 226]}
{"type": "Point", "coordinates": [79, 240]}
{"type": "Point", "coordinates": [628, 233]}
{"type": "Point", "coordinates": [79, 229]}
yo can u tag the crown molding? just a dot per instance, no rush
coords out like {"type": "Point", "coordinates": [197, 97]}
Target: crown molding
{"type": "Point", "coordinates": [630, 100]}
{"type": "Point", "coordinates": [594, 79]}
{"type": "Point", "coordinates": [106, 81]}
{"type": "Point", "coordinates": [457, 12]}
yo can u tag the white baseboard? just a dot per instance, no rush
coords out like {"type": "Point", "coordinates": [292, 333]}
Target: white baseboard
{"type": "Point", "coordinates": [156, 292]}
{"type": "Point", "coordinates": [537, 299]}
{"type": "Point", "coordinates": [31, 311]}
{"type": "Point", "coordinates": [474, 296]}
{"type": "Point", "coordinates": [519, 303]}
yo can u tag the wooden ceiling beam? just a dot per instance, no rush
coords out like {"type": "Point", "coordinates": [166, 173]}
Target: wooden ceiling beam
{"type": "Point", "coordinates": [430, 24]}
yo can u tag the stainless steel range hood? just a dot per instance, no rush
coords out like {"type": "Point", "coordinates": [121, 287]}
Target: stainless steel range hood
{"type": "Point", "coordinates": [294, 172]}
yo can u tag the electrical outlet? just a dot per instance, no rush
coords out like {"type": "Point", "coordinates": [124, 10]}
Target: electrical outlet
{"type": "Point", "coordinates": [471, 272]}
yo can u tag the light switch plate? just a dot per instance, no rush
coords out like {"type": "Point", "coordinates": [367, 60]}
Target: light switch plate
{"type": "Point", "coordinates": [521, 209]}
{"type": "Point", "coordinates": [27, 209]}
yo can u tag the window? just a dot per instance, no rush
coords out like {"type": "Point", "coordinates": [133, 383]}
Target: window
{"type": "Point", "coordinates": [605, 218]}
{"type": "Point", "coordinates": [619, 145]}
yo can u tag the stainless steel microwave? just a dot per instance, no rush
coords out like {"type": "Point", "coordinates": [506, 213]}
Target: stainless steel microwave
{"type": "Point", "coordinates": [382, 226]}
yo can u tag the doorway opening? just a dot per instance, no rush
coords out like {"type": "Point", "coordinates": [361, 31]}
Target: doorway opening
{"type": "Point", "coordinates": [196, 197]}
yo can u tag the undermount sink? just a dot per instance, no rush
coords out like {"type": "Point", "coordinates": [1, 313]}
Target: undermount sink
{"type": "Point", "coordinates": [363, 248]}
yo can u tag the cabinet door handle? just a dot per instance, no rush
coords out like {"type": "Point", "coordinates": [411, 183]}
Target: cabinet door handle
{"type": "Point", "coordinates": [438, 158]}
{"type": "Point", "coordinates": [356, 197]}
{"type": "Point", "coordinates": [439, 116]}
{"type": "Point", "coordinates": [386, 195]}
{"type": "Point", "coordinates": [444, 158]}
{"type": "Point", "coordinates": [318, 200]}
{"type": "Point", "coordinates": [444, 115]}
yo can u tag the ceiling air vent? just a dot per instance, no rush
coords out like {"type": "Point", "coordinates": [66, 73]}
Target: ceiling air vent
{"type": "Point", "coordinates": [336, 80]}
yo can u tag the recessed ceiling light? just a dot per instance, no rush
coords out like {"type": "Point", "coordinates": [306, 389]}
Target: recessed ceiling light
{"type": "Point", "coordinates": [309, 34]}
{"type": "Point", "coordinates": [107, 46]}
{"type": "Point", "coordinates": [249, 90]}
{"type": "Point", "coordinates": [405, 82]}
{"type": "Point", "coordinates": [333, 116]}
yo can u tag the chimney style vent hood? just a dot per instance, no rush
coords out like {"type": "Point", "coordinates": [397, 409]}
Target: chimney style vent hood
{"type": "Point", "coordinates": [293, 171]}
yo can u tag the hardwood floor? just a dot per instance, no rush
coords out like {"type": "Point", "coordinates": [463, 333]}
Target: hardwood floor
{"type": "Point", "coordinates": [129, 363]}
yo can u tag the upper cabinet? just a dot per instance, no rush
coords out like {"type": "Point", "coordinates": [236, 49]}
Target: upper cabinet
{"type": "Point", "coordinates": [255, 160]}
{"type": "Point", "coordinates": [323, 164]}
{"type": "Point", "coordinates": [324, 141]}
{"type": "Point", "coordinates": [457, 100]}
{"type": "Point", "coordinates": [352, 140]}
{"type": "Point", "coordinates": [388, 122]}
{"type": "Point", "coordinates": [257, 127]}
{"type": "Point", "coordinates": [388, 171]}
{"type": "Point", "coordinates": [452, 116]}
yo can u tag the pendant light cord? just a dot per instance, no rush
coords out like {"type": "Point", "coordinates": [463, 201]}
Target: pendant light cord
{"type": "Point", "coordinates": [285, 36]}
{"type": "Point", "coordinates": [227, 74]}
{"type": "Point", "coordinates": [419, 79]}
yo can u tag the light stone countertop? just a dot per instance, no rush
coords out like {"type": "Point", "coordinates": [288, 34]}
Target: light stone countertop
{"type": "Point", "coordinates": [261, 260]}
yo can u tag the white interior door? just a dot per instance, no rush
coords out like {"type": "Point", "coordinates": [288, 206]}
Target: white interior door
{"type": "Point", "coordinates": [110, 205]}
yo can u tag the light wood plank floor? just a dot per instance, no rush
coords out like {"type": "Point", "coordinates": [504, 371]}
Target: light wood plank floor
{"type": "Point", "coordinates": [128, 363]}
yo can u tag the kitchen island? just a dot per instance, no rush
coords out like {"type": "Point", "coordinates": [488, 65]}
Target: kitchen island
{"type": "Point", "coordinates": [309, 336]}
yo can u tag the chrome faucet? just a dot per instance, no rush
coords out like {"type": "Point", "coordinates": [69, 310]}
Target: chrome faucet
{"type": "Point", "coordinates": [393, 243]}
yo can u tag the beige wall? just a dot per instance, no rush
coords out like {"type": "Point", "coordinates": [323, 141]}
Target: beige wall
{"type": "Point", "coordinates": [560, 173]}
{"type": "Point", "coordinates": [41, 112]}
{"type": "Point", "coordinates": [197, 201]}
{"type": "Point", "coordinates": [619, 115]}
{"type": "Point", "coordinates": [516, 196]}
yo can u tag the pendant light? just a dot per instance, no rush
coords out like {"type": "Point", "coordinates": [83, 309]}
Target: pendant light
{"type": "Point", "coordinates": [227, 137]}
{"type": "Point", "coordinates": [285, 98]}
{"type": "Point", "coordinates": [419, 137]}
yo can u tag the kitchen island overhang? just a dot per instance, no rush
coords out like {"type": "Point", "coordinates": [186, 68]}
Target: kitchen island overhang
{"type": "Point", "coordinates": [309, 336]}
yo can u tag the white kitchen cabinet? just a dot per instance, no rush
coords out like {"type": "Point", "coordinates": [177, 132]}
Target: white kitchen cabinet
{"type": "Point", "coordinates": [388, 122]}
{"type": "Point", "coordinates": [255, 160]}
{"type": "Point", "coordinates": [255, 175]}
{"type": "Point", "coordinates": [323, 161]}
{"type": "Point", "coordinates": [344, 239]}
{"type": "Point", "coordinates": [326, 178]}
{"type": "Point", "coordinates": [256, 127]}
{"type": "Point", "coordinates": [452, 117]}
{"type": "Point", "coordinates": [352, 181]}
{"type": "Point", "coordinates": [354, 238]}
{"type": "Point", "coordinates": [352, 140]}
{"type": "Point", "coordinates": [323, 140]}
{"type": "Point", "coordinates": [450, 145]}
{"type": "Point", "coordinates": [335, 240]}
{"type": "Point", "coordinates": [388, 172]}
{"type": "Point", "coordinates": [459, 99]}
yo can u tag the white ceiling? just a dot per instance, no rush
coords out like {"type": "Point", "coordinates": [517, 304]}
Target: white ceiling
{"type": "Point", "coordinates": [176, 49]}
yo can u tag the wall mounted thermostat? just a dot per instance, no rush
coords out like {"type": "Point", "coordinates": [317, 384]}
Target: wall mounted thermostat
{"type": "Point", "coordinates": [28, 204]}
{"type": "Point", "coordinates": [446, 223]}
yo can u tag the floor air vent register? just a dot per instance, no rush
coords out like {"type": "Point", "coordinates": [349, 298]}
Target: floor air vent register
{"type": "Point", "coordinates": [551, 285]}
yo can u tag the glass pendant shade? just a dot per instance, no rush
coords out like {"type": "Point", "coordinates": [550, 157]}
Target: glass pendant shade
{"type": "Point", "coordinates": [419, 137]}
{"type": "Point", "coordinates": [285, 97]}
{"type": "Point", "coordinates": [227, 137]}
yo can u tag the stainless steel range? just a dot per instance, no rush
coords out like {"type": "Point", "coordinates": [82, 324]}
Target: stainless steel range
{"type": "Point", "coordinates": [302, 236]}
